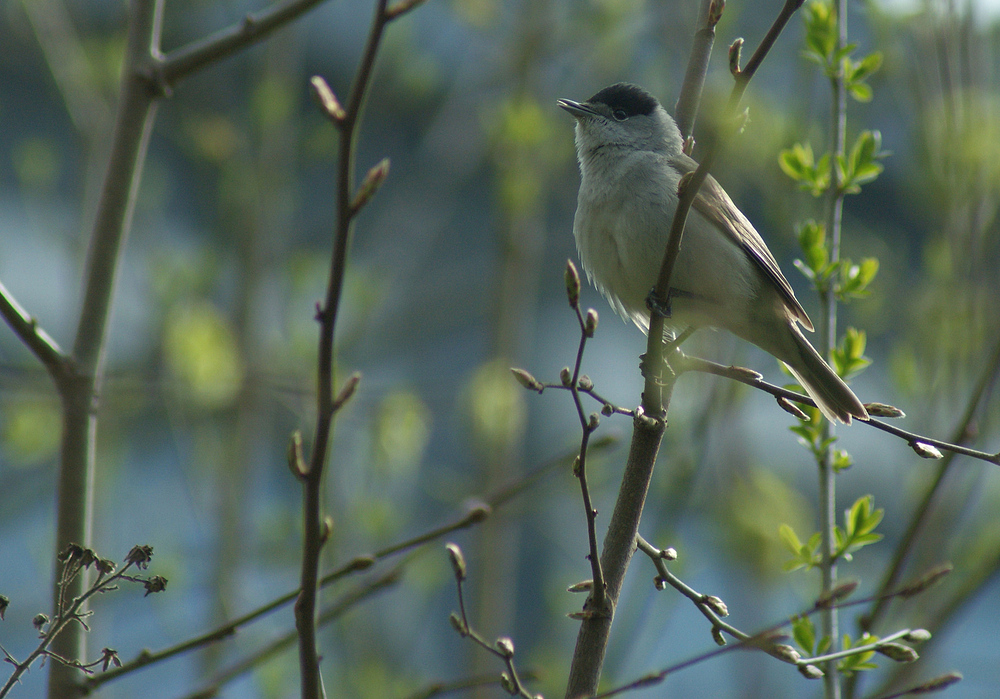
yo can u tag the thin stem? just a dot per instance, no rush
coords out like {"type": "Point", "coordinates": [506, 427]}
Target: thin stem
{"type": "Point", "coordinates": [685, 363]}
{"type": "Point", "coordinates": [919, 516]}
{"type": "Point", "coordinates": [35, 338]}
{"type": "Point", "coordinates": [254, 27]}
{"type": "Point", "coordinates": [689, 100]}
{"type": "Point", "coordinates": [598, 598]}
{"type": "Point", "coordinates": [79, 388]}
{"type": "Point", "coordinates": [313, 523]}
{"type": "Point", "coordinates": [827, 342]}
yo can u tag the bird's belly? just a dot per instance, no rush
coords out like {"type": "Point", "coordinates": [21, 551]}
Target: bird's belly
{"type": "Point", "coordinates": [712, 281]}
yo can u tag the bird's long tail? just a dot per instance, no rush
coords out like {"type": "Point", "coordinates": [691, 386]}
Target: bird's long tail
{"type": "Point", "coordinates": [835, 400]}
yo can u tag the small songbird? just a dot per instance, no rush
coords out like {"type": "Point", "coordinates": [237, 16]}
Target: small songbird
{"type": "Point", "coordinates": [631, 163]}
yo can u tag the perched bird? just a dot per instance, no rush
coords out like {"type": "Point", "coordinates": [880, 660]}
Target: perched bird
{"type": "Point", "coordinates": [631, 163]}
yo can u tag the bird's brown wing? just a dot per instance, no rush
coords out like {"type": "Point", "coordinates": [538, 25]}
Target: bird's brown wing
{"type": "Point", "coordinates": [714, 204]}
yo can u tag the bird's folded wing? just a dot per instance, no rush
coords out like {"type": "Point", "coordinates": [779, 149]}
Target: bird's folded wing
{"type": "Point", "coordinates": [714, 204]}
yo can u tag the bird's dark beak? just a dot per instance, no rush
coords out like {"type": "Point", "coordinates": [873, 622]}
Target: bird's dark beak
{"type": "Point", "coordinates": [581, 110]}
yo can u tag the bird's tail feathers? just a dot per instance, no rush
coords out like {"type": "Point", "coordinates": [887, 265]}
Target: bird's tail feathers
{"type": "Point", "coordinates": [833, 397]}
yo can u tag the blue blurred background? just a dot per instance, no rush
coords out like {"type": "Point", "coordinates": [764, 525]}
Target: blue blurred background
{"type": "Point", "coordinates": [455, 274]}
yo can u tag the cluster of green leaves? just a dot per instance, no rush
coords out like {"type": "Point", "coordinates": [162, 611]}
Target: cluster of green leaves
{"type": "Point", "coordinates": [845, 278]}
{"type": "Point", "coordinates": [858, 531]}
{"type": "Point", "coordinates": [804, 633]}
{"type": "Point", "coordinates": [821, 48]}
{"type": "Point", "coordinates": [859, 166]}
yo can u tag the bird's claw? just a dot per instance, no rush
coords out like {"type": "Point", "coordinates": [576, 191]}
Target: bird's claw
{"type": "Point", "coordinates": [654, 304]}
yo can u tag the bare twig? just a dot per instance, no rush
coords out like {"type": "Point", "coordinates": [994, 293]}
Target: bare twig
{"type": "Point", "coordinates": [476, 512]}
{"type": "Point", "coordinates": [349, 203]}
{"type": "Point", "coordinates": [686, 109]}
{"type": "Point", "coordinates": [684, 363]}
{"type": "Point", "coordinates": [361, 593]}
{"type": "Point", "coordinates": [919, 516]}
{"type": "Point", "coordinates": [35, 338]}
{"type": "Point", "coordinates": [75, 561]}
{"type": "Point", "coordinates": [502, 648]}
{"type": "Point", "coordinates": [254, 27]}
{"type": "Point", "coordinates": [769, 639]}
{"type": "Point", "coordinates": [597, 603]}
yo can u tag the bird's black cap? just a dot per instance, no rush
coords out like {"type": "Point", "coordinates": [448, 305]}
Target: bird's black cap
{"type": "Point", "coordinates": [629, 98]}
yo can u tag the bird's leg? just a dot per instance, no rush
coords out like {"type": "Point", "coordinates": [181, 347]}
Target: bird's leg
{"type": "Point", "coordinates": [654, 304]}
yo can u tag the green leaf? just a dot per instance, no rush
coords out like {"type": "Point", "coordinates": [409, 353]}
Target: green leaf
{"type": "Point", "coordinates": [804, 633]}
{"type": "Point", "coordinates": [790, 538]}
{"type": "Point", "coordinates": [868, 65]}
{"type": "Point", "coordinates": [861, 92]}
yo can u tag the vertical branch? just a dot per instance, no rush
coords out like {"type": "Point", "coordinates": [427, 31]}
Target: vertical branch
{"type": "Point", "coordinates": [80, 386]}
{"type": "Point", "coordinates": [689, 100]}
{"type": "Point", "coordinates": [827, 341]}
{"type": "Point", "coordinates": [349, 203]}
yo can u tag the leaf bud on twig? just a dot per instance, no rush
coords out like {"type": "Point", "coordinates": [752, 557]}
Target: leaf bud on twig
{"type": "Point", "coordinates": [504, 646]}
{"type": "Point", "coordinates": [883, 410]}
{"type": "Point", "coordinates": [810, 672]}
{"type": "Point", "coordinates": [790, 407]}
{"type": "Point", "coordinates": [327, 100]}
{"type": "Point", "coordinates": [373, 180]}
{"type": "Point", "coordinates": [925, 451]}
{"type": "Point", "coordinates": [716, 605]}
{"type": "Point", "coordinates": [566, 376]}
{"type": "Point", "coordinates": [937, 684]}
{"type": "Point", "coordinates": [507, 683]}
{"type": "Point", "coordinates": [526, 379]}
{"type": "Point", "coordinates": [458, 624]}
{"type": "Point", "coordinates": [735, 50]}
{"type": "Point", "coordinates": [572, 278]}
{"type": "Point", "coordinates": [839, 592]}
{"type": "Point", "coordinates": [926, 580]}
{"type": "Point", "coordinates": [590, 325]}
{"type": "Point", "coordinates": [785, 652]}
{"type": "Point", "coordinates": [918, 636]}
{"type": "Point", "coordinates": [898, 652]}
{"type": "Point", "coordinates": [457, 560]}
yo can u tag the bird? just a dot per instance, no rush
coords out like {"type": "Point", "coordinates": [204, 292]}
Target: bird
{"type": "Point", "coordinates": [631, 163]}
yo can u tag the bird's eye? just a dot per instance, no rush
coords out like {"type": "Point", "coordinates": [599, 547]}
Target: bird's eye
{"type": "Point", "coordinates": [619, 115]}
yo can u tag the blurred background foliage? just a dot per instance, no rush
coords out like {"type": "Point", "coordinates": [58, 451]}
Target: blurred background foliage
{"type": "Point", "coordinates": [456, 274]}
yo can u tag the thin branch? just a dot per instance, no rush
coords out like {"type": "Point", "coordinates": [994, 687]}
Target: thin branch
{"type": "Point", "coordinates": [348, 204]}
{"type": "Point", "coordinates": [749, 377]}
{"type": "Point", "coordinates": [79, 389]}
{"type": "Point", "coordinates": [597, 603]}
{"type": "Point", "coordinates": [35, 338]}
{"type": "Point", "coordinates": [254, 27]}
{"type": "Point", "coordinates": [502, 648]}
{"type": "Point", "coordinates": [918, 518]}
{"type": "Point", "coordinates": [689, 100]}
{"type": "Point", "coordinates": [477, 511]}
{"type": "Point", "coordinates": [767, 640]}
{"type": "Point", "coordinates": [285, 641]}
